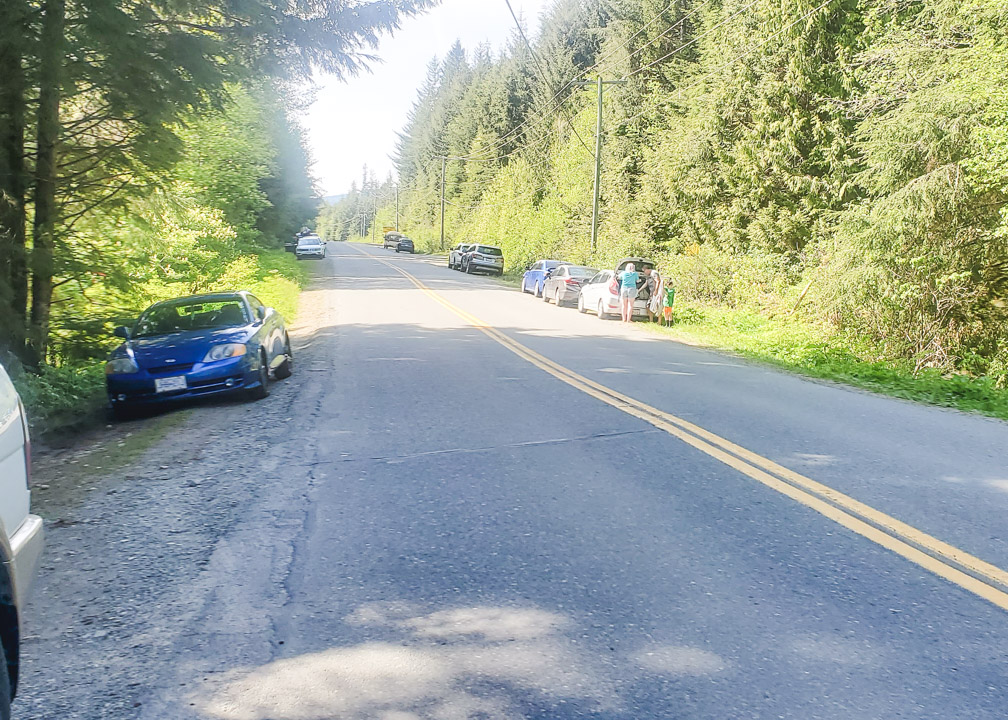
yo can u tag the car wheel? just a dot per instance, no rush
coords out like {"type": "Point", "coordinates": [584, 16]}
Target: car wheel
{"type": "Point", "coordinates": [122, 413]}
{"type": "Point", "coordinates": [545, 295]}
{"type": "Point", "coordinates": [581, 307]}
{"type": "Point", "coordinates": [262, 390]}
{"type": "Point", "coordinates": [601, 310]}
{"type": "Point", "coordinates": [468, 269]}
{"type": "Point", "coordinates": [538, 290]}
{"type": "Point", "coordinates": [5, 687]}
{"type": "Point", "coordinates": [556, 298]}
{"type": "Point", "coordinates": [286, 368]}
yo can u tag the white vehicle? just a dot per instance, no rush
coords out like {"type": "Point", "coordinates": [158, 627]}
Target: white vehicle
{"type": "Point", "coordinates": [600, 295]}
{"type": "Point", "coordinates": [21, 535]}
{"type": "Point", "coordinates": [310, 246]}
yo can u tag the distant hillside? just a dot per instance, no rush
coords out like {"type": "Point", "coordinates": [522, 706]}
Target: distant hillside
{"type": "Point", "coordinates": [333, 199]}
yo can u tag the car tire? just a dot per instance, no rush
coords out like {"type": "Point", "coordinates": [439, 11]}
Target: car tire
{"type": "Point", "coordinates": [5, 687]}
{"type": "Point", "coordinates": [262, 390]}
{"type": "Point", "coordinates": [524, 289]}
{"type": "Point", "coordinates": [286, 368]}
{"type": "Point", "coordinates": [556, 298]}
{"type": "Point", "coordinates": [468, 269]}
{"type": "Point", "coordinates": [545, 295]}
{"type": "Point", "coordinates": [602, 314]}
{"type": "Point", "coordinates": [581, 307]}
{"type": "Point", "coordinates": [120, 413]}
{"type": "Point", "coordinates": [538, 290]}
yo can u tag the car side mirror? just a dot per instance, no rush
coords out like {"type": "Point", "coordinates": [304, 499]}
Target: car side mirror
{"type": "Point", "coordinates": [261, 313]}
{"type": "Point", "coordinates": [122, 332]}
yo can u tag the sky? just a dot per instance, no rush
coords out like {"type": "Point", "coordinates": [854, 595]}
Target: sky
{"type": "Point", "coordinates": [354, 122]}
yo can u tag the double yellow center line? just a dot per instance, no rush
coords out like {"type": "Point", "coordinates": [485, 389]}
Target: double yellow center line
{"type": "Point", "coordinates": [957, 566]}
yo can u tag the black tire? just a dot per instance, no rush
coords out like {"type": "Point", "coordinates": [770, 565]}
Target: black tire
{"type": "Point", "coordinates": [524, 289]}
{"type": "Point", "coordinates": [122, 413]}
{"type": "Point", "coordinates": [468, 269]}
{"type": "Point", "coordinates": [544, 295]}
{"type": "Point", "coordinates": [537, 291]}
{"type": "Point", "coordinates": [556, 298]}
{"type": "Point", "coordinates": [286, 368]}
{"type": "Point", "coordinates": [5, 687]}
{"type": "Point", "coordinates": [262, 390]}
{"type": "Point", "coordinates": [580, 304]}
{"type": "Point", "coordinates": [602, 314]}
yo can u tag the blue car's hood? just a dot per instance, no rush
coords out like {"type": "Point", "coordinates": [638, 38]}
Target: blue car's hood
{"type": "Point", "coordinates": [182, 348]}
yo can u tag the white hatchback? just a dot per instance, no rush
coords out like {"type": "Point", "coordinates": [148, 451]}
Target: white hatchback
{"type": "Point", "coordinates": [21, 535]}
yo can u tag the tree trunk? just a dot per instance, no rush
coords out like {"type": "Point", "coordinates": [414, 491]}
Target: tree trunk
{"type": "Point", "coordinates": [13, 179]}
{"type": "Point", "coordinates": [43, 239]}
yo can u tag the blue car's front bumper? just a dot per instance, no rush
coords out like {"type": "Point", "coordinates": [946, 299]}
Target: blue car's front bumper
{"type": "Point", "coordinates": [202, 379]}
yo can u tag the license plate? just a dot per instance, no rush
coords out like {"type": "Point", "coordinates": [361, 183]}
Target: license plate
{"type": "Point", "coordinates": [170, 384]}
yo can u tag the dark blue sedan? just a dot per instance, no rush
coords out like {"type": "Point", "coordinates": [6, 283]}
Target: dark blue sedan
{"type": "Point", "coordinates": [534, 279]}
{"type": "Point", "coordinates": [198, 346]}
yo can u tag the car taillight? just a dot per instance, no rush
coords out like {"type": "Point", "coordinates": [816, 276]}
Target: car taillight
{"type": "Point", "coordinates": [571, 281]}
{"type": "Point", "coordinates": [27, 443]}
{"type": "Point", "coordinates": [614, 287]}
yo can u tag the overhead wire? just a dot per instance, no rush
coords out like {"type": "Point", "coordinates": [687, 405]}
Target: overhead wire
{"type": "Point", "coordinates": [740, 56]}
{"type": "Point", "coordinates": [542, 73]}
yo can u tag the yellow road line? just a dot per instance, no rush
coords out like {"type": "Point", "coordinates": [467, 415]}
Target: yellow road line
{"type": "Point", "coordinates": [971, 573]}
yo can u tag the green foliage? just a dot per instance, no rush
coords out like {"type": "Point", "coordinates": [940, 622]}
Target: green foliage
{"type": "Point", "coordinates": [844, 166]}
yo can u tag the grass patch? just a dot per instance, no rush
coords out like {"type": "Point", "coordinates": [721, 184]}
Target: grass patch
{"type": "Point", "coordinates": [796, 345]}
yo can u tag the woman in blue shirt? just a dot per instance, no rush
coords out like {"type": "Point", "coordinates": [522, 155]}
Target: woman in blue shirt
{"type": "Point", "coordinates": [628, 291]}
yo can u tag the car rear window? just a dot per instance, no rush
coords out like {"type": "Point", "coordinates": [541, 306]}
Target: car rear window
{"type": "Point", "coordinates": [310, 241]}
{"type": "Point", "coordinates": [487, 250]}
{"type": "Point", "coordinates": [182, 317]}
{"type": "Point", "coordinates": [581, 272]}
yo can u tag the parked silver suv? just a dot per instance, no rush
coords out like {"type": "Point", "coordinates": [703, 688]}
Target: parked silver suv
{"type": "Point", "coordinates": [21, 536]}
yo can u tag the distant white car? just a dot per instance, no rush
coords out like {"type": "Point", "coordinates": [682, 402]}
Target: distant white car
{"type": "Point", "coordinates": [21, 534]}
{"type": "Point", "coordinates": [310, 246]}
{"type": "Point", "coordinates": [600, 295]}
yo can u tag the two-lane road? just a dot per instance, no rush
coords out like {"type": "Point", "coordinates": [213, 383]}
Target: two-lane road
{"type": "Point", "coordinates": [479, 506]}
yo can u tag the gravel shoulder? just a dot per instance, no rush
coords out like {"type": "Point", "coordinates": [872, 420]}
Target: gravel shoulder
{"type": "Point", "coordinates": [141, 519]}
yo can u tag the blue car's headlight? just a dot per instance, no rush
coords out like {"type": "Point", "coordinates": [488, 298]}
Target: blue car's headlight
{"type": "Point", "coordinates": [121, 366]}
{"type": "Point", "coordinates": [223, 352]}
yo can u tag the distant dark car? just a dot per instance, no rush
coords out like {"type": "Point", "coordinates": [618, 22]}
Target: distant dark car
{"type": "Point", "coordinates": [198, 346]}
{"type": "Point", "coordinates": [456, 254]}
{"type": "Point", "coordinates": [310, 246]}
{"type": "Point", "coordinates": [405, 245]}
{"type": "Point", "coordinates": [483, 258]}
{"type": "Point", "coordinates": [391, 240]}
{"type": "Point", "coordinates": [535, 277]}
{"type": "Point", "coordinates": [564, 283]}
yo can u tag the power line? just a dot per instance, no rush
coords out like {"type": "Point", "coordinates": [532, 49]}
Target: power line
{"type": "Point", "coordinates": [692, 41]}
{"type": "Point", "coordinates": [542, 73]}
{"type": "Point", "coordinates": [740, 56]}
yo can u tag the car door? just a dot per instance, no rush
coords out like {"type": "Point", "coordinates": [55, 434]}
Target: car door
{"type": "Point", "coordinates": [268, 331]}
{"type": "Point", "coordinates": [556, 277]}
{"type": "Point", "coordinates": [530, 276]}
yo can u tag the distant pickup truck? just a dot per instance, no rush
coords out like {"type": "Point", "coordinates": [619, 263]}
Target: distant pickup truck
{"type": "Point", "coordinates": [21, 535]}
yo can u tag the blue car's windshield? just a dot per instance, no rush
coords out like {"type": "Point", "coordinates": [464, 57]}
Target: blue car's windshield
{"type": "Point", "coordinates": [181, 317]}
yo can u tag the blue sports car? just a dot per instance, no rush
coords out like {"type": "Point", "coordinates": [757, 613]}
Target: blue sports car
{"type": "Point", "coordinates": [198, 346]}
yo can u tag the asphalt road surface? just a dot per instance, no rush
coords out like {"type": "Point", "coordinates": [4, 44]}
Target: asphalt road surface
{"type": "Point", "coordinates": [467, 504]}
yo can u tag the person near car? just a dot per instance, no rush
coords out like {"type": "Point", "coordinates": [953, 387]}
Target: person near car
{"type": "Point", "coordinates": [669, 299]}
{"type": "Point", "coordinates": [656, 285]}
{"type": "Point", "coordinates": [628, 291]}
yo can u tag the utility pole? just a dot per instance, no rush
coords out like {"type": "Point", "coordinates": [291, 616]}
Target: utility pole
{"type": "Point", "coordinates": [397, 207]}
{"type": "Point", "coordinates": [598, 156]}
{"type": "Point", "coordinates": [444, 167]}
{"type": "Point", "coordinates": [374, 218]}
